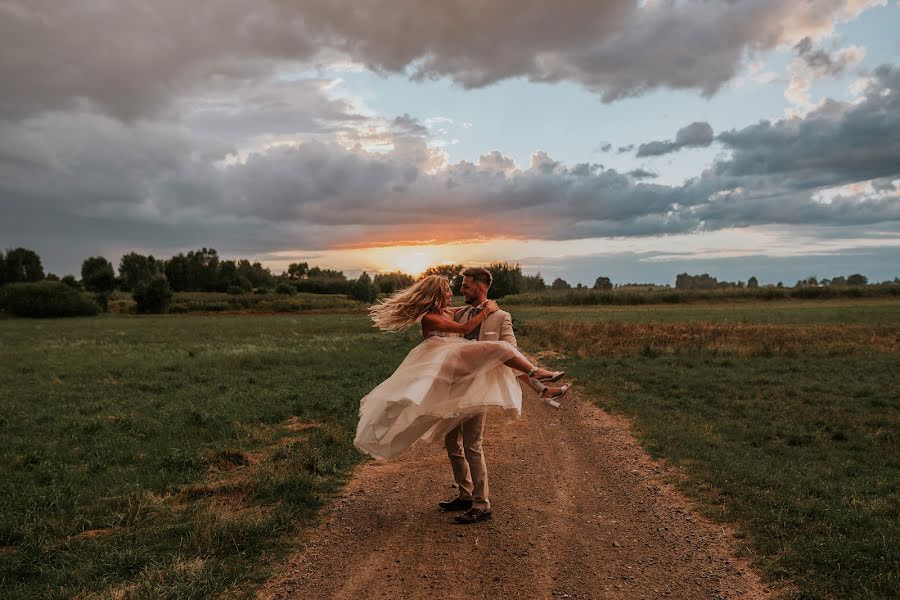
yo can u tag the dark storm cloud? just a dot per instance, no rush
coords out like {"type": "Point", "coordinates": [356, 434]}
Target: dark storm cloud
{"type": "Point", "coordinates": [834, 144]}
{"type": "Point", "coordinates": [131, 58]}
{"type": "Point", "coordinates": [695, 135]}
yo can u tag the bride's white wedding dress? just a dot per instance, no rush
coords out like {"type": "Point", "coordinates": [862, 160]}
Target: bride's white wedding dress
{"type": "Point", "coordinates": [441, 382]}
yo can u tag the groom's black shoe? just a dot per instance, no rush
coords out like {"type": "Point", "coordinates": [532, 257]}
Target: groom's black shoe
{"type": "Point", "coordinates": [455, 504]}
{"type": "Point", "coordinates": [473, 515]}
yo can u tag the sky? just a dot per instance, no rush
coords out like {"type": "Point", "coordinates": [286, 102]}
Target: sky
{"type": "Point", "coordinates": [629, 139]}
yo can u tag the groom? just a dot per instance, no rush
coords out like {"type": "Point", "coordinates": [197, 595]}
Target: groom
{"type": "Point", "coordinates": [463, 443]}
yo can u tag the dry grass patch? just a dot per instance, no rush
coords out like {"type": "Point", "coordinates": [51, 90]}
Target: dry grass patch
{"type": "Point", "coordinates": [594, 339]}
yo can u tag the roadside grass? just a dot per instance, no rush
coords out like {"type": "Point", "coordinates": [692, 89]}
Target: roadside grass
{"type": "Point", "coordinates": [790, 432]}
{"type": "Point", "coordinates": [167, 456]}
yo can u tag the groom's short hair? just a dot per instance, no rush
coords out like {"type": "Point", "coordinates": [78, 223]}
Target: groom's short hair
{"type": "Point", "coordinates": [479, 274]}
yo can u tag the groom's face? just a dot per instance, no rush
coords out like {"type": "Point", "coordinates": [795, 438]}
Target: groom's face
{"type": "Point", "coordinates": [473, 291]}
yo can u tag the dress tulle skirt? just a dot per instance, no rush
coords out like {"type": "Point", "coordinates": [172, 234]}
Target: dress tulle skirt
{"type": "Point", "coordinates": [440, 383]}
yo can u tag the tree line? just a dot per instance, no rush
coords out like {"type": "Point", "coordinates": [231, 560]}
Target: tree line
{"type": "Point", "coordinates": [153, 280]}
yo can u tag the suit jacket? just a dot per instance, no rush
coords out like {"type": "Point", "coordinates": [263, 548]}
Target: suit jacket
{"type": "Point", "coordinates": [496, 327]}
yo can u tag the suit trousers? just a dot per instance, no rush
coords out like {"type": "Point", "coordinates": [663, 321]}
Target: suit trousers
{"type": "Point", "coordinates": [463, 444]}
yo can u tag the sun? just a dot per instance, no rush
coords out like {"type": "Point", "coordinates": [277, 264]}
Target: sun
{"type": "Point", "coordinates": [409, 259]}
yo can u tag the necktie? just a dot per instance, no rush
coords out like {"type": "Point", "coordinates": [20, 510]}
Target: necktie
{"type": "Point", "coordinates": [473, 335]}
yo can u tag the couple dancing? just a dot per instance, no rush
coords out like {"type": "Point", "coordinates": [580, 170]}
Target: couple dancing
{"type": "Point", "coordinates": [465, 367]}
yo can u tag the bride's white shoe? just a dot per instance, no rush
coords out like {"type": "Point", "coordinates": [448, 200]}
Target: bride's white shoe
{"type": "Point", "coordinates": [554, 400]}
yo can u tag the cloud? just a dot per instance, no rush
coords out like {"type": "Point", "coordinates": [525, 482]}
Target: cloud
{"type": "Point", "coordinates": [320, 193]}
{"type": "Point", "coordinates": [642, 174]}
{"type": "Point", "coordinates": [814, 63]}
{"type": "Point", "coordinates": [132, 59]}
{"type": "Point", "coordinates": [695, 135]}
{"type": "Point", "coordinates": [822, 63]}
{"type": "Point", "coordinates": [837, 143]}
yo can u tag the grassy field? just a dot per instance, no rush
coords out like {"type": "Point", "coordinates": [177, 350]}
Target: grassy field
{"type": "Point", "coordinates": [172, 456]}
{"type": "Point", "coordinates": [169, 456]}
{"type": "Point", "coordinates": [784, 422]}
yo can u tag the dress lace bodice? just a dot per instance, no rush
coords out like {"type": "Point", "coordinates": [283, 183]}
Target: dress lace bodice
{"type": "Point", "coordinates": [436, 333]}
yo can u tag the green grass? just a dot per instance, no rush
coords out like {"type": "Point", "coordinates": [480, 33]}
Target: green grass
{"type": "Point", "coordinates": [800, 451]}
{"type": "Point", "coordinates": [122, 425]}
{"type": "Point", "coordinates": [839, 312]}
{"type": "Point", "coordinates": [191, 447]}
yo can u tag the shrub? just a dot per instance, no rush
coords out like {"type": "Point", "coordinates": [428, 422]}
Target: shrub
{"type": "Point", "coordinates": [153, 296]}
{"type": "Point", "coordinates": [45, 299]}
{"type": "Point", "coordinates": [234, 290]}
{"type": "Point", "coordinates": [70, 281]}
{"type": "Point", "coordinates": [285, 288]}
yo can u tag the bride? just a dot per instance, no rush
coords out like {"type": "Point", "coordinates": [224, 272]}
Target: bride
{"type": "Point", "coordinates": [444, 380]}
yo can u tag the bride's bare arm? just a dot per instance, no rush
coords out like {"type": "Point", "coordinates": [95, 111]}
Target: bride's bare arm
{"type": "Point", "coordinates": [435, 322]}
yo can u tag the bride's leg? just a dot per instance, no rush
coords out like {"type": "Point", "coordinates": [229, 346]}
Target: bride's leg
{"type": "Point", "coordinates": [544, 391]}
{"type": "Point", "coordinates": [520, 363]}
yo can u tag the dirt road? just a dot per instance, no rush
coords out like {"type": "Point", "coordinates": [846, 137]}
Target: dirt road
{"type": "Point", "coordinates": [579, 511]}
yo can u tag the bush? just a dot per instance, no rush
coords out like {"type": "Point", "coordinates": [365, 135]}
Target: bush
{"type": "Point", "coordinates": [153, 296]}
{"type": "Point", "coordinates": [46, 299]}
{"type": "Point", "coordinates": [261, 290]}
{"type": "Point", "coordinates": [73, 283]}
{"type": "Point", "coordinates": [285, 288]}
{"type": "Point", "coordinates": [234, 290]}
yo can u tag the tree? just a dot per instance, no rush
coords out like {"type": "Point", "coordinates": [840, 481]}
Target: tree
{"type": "Point", "coordinates": [202, 270]}
{"type": "Point", "coordinates": [839, 280]}
{"type": "Point", "coordinates": [97, 275]}
{"type": "Point", "coordinates": [21, 265]}
{"type": "Point", "coordinates": [753, 283]}
{"type": "Point", "coordinates": [534, 283]}
{"type": "Point", "coordinates": [227, 276]}
{"type": "Point", "coordinates": [695, 282]}
{"type": "Point", "coordinates": [298, 270]}
{"type": "Point", "coordinates": [320, 273]}
{"type": "Point", "coordinates": [603, 283]}
{"type": "Point", "coordinates": [363, 289]}
{"type": "Point", "coordinates": [857, 279]}
{"type": "Point", "coordinates": [176, 270]}
{"type": "Point", "coordinates": [255, 273]}
{"type": "Point", "coordinates": [560, 284]}
{"type": "Point", "coordinates": [153, 296]}
{"type": "Point", "coordinates": [388, 283]}
{"type": "Point", "coordinates": [507, 279]}
{"type": "Point", "coordinates": [135, 268]}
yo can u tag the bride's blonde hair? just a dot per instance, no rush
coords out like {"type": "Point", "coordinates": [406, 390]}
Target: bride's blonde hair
{"type": "Point", "coordinates": [404, 308]}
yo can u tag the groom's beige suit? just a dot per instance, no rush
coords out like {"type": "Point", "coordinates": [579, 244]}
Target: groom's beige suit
{"type": "Point", "coordinates": [464, 442]}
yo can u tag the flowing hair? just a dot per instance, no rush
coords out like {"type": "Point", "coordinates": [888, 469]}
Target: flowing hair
{"type": "Point", "coordinates": [405, 307]}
